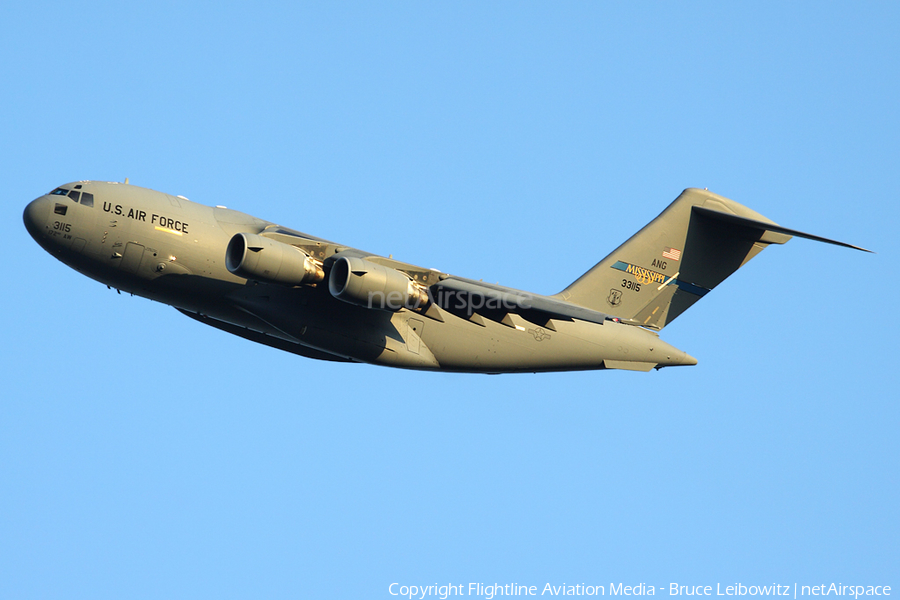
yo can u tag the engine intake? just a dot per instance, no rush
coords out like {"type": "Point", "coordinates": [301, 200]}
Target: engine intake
{"type": "Point", "coordinates": [256, 257]}
{"type": "Point", "coordinates": [364, 283]}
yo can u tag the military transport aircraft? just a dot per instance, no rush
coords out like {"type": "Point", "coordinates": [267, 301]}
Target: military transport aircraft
{"type": "Point", "coordinates": [322, 300]}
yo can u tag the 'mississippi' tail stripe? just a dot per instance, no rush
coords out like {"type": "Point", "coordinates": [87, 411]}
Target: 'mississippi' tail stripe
{"type": "Point", "coordinates": [646, 276]}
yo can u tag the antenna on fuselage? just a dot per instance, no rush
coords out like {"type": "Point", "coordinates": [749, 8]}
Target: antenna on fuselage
{"type": "Point", "coordinates": [126, 181]}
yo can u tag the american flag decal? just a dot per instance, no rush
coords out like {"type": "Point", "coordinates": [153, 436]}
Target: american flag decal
{"type": "Point", "coordinates": [673, 253]}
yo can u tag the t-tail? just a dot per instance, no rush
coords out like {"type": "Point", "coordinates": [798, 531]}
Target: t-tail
{"type": "Point", "coordinates": [676, 259]}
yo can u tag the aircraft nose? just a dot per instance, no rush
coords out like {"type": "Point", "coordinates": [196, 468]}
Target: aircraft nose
{"type": "Point", "coordinates": [36, 215]}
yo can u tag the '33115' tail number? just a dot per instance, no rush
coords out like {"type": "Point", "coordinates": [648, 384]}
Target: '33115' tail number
{"type": "Point", "coordinates": [631, 285]}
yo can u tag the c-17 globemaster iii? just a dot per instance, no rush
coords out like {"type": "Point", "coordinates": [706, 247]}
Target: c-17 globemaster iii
{"type": "Point", "coordinates": [324, 300]}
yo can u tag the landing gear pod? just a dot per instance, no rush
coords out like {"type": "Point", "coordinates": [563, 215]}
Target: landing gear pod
{"type": "Point", "coordinates": [256, 257]}
{"type": "Point", "coordinates": [364, 283]}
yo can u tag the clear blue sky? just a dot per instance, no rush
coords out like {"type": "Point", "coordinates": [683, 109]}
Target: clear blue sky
{"type": "Point", "coordinates": [145, 456]}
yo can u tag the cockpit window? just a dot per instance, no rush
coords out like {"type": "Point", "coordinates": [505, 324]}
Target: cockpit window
{"type": "Point", "coordinates": [60, 209]}
{"type": "Point", "coordinates": [85, 198]}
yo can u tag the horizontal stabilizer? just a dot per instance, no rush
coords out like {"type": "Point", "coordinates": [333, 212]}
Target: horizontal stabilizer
{"type": "Point", "coordinates": [764, 226]}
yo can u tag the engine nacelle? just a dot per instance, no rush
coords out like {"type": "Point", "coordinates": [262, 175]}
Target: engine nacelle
{"type": "Point", "coordinates": [362, 282]}
{"type": "Point", "coordinates": [256, 257]}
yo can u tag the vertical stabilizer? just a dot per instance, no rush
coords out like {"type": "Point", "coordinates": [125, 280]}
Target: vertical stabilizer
{"type": "Point", "coordinates": [691, 247]}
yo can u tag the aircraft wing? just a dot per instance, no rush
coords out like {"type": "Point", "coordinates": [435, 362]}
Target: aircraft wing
{"type": "Point", "coordinates": [486, 298]}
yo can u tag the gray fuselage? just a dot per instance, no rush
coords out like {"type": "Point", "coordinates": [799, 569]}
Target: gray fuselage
{"type": "Point", "coordinates": [172, 250]}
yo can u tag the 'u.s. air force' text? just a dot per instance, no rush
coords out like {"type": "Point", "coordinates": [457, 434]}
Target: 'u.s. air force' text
{"type": "Point", "coordinates": [141, 215]}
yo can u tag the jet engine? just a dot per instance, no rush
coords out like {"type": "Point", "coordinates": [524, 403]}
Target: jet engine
{"type": "Point", "coordinates": [256, 257]}
{"type": "Point", "coordinates": [362, 282]}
